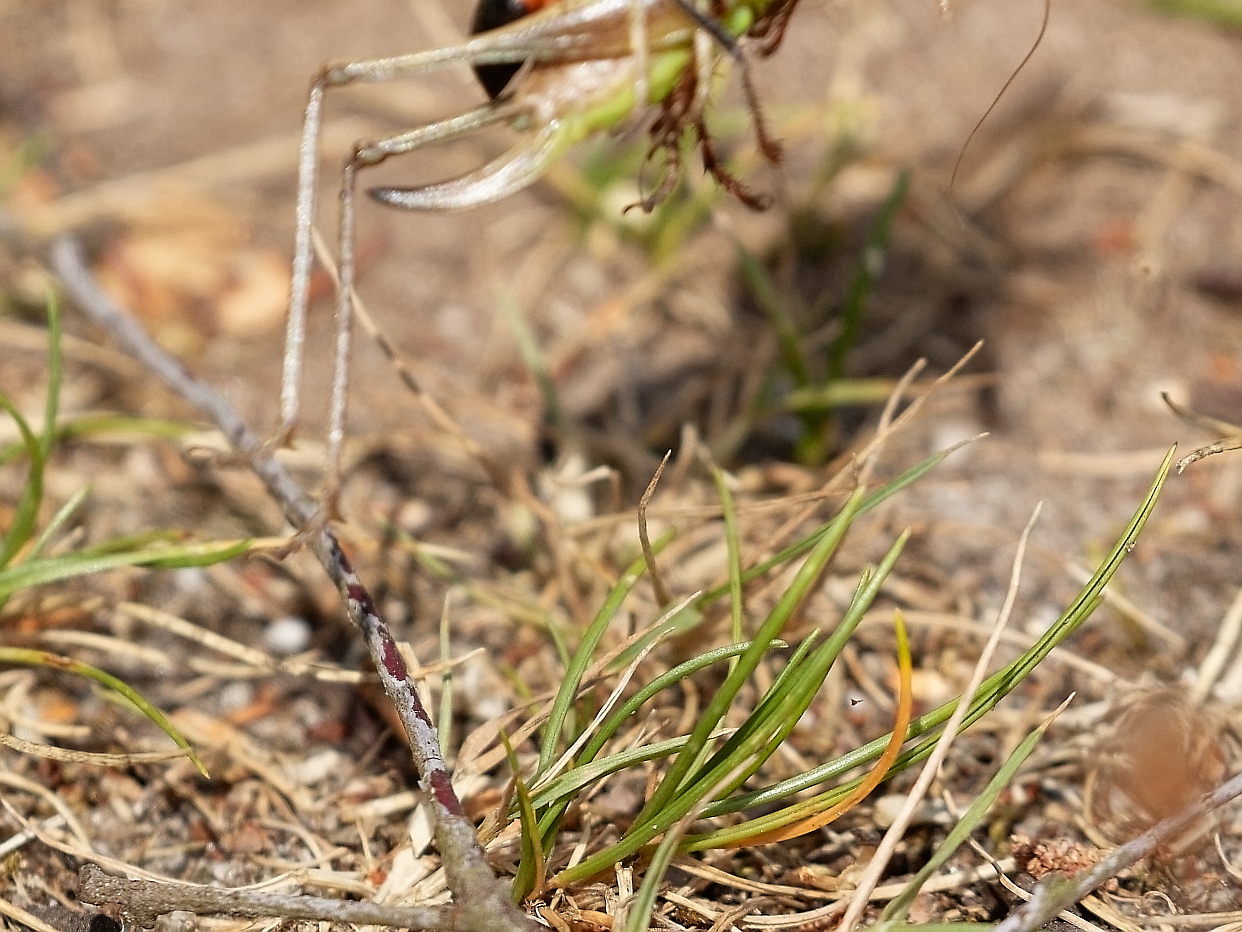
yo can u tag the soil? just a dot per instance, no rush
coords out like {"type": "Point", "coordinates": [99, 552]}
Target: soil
{"type": "Point", "coordinates": [1090, 237]}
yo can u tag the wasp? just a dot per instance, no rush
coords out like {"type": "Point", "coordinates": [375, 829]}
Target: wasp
{"type": "Point", "coordinates": [558, 72]}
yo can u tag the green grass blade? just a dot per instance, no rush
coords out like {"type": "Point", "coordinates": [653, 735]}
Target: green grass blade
{"type": "Point", "coordinates": [638, 910]}
{"type": "Point", "coordinates": [588, 770]}
{"type": "Point", "coordinates": [687, 798]}
{"type": "Point", "coordinates": [532, 869]}
{"type": "Point", "coordinates": [675, 797]}
{"type": "Point", "coordinates": [839, 393]}
{"type": "Point", "coordinates": [55, 375]}
{"type": "Point", "coordinates": [638, 918]}
{"type": "Point", "coordinates": [662, 682]}
{"type": "Point", "coordinates": [53, 569]}
{"type": "Point", "coordinates": [126, 542]}
{"type": "Point", "coordinates": [802, 818]}
{"type": "Point", "coordinates": [774, 704]}
{"type": "Point", "coordinates": [864, 277]}
{"type": "Point", "coordinates": [790, 679]}
{"type": "Point", "coordinates": [39, 658]}
{"type": "Point", "coordinates": [107, 425]}
{"type": "Point", "coordinates": [768, 297]}
{"type": "Point", "coordinates": [804, 684]}
{"type": "Point", "coordinates": [990, 693]}
{"type": "Point", "coordinates": [27, 512]}
{"type": "Point", "coordinates": [585, 654]}
{"type": "Point", "coordinates": [568, 784]}
{"type": "Point", "coordinates": [873, 500]}
{"type": "Point", "coordinates": [59, 519]}
{"type": "Point", "coordinates": [680, 620]}
{"type": "Point", "coordinates": [790, 600]}
{"type": "Point", "coordinates": [39, 449]}
{"type": "Point", "coordinates": [896, 910]}
{"type": "Point", "coordinates": [734, 551]}
{"type": "Point", "coordinates": [553, 800]}
{"type": "Point", "coordinates": [532, 355]}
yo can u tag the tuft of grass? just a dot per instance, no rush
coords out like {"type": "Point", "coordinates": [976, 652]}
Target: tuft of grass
{"type": "Point", "coordinates": [703, 775]}
{"type": "Point", "coordinates": [23, 565]}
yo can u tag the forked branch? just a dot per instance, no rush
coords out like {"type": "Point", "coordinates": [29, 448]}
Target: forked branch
{"type": "Point", "coordinates": [481, 902]}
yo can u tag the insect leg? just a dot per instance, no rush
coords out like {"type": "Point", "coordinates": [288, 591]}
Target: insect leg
{"type": "Point", "coordinates": [511, 47]}
{"type": "Point", "coordinates": [299, 288]}
{"type": "Point", "coordinates": [364, 155]}
{"type": "Point", "coordinates": [511, 172]}
{"type": "Point", "coordinates": [710, 25]}
{"type": "Point", "coordinates": [344, 335]}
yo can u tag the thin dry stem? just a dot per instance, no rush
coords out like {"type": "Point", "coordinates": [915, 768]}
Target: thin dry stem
{"type": "Point", "coordinates": [657, 582]}
{"type": "Point", "coordinates": [871, 876]}
{"type": "Point", "coordinates": [1214, 663]}
{"type": "Point", "coordinates": [405, 372]}
{"type": "Point", "coordinates": [71, 756]}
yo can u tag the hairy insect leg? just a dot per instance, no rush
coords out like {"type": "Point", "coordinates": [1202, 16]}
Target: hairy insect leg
{"type": "Point", "coordinates": [768, 146]}
{"type": "Point", "coordinates": [771, 35]}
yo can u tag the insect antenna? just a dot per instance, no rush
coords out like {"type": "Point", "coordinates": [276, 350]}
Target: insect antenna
{"type": "Point", "coordinates": [961, 153]}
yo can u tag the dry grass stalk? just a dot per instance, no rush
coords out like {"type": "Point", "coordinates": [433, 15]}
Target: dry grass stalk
{"type": "Point", "coordinates": [895, 832]}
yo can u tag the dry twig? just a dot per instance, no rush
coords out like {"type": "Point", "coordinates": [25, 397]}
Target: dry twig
{"type": "Point", "coordinates": [145, 900]}
{"type": "Point", "coordinates": [481, 902]}
{"type": "Point", "coordinates": [1051, 897]}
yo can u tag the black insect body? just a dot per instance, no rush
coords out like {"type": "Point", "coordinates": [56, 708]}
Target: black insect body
{"type": "Point", "coordinates": [492, 14]}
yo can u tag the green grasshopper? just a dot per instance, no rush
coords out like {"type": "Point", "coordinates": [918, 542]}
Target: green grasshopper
{"type": "Point", "coordinates": [557, 74]}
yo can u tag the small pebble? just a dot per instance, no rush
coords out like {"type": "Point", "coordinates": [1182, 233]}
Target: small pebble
{"type": "Point", "coordinates": [190, 579]}
{"type": "Point", "coordinates": [314, 769]}
{"type": "Point", "coordinates": [287, 636]}
{"type": "Point", "coordinates": [415, 516]}
{"type": "Point", "coordinates": [236, 695]}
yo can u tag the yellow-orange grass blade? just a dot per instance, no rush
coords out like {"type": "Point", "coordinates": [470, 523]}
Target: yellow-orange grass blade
{"type": "Point", "coordinates": [905, 705]}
